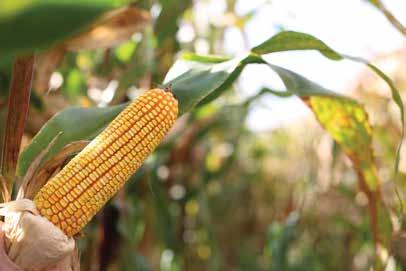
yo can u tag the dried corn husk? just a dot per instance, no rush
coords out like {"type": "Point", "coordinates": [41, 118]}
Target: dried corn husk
{"type": "Point", "coordinates": [33, 242]}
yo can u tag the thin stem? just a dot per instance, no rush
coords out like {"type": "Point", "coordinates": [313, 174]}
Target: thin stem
{"type": "Point", "coordinates": [18, 105]}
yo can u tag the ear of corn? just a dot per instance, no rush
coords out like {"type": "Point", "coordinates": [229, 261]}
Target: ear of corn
{"type": "Point", "coordinates": [71, 198]}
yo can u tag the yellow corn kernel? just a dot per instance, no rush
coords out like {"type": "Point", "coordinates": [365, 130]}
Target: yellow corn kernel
{"type": "Point", "coordinates": [90, 179]}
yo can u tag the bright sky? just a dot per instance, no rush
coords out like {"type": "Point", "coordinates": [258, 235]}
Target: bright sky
{"type": "Point", "coordinates": [352, 27]}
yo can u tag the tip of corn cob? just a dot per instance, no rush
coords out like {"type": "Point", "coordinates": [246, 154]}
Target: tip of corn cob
{"type": "Point", "coordinates": [73, 196]}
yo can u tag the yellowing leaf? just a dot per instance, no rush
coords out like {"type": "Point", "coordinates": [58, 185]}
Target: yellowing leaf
{"type": "Point", "coordinates": [347, 123]}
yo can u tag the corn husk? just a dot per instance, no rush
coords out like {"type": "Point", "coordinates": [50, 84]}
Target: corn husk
{"type": "Point", "coordinates": [33, 242]}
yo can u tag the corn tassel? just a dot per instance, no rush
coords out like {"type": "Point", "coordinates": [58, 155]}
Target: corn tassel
{"type": "Point", "coordinates": [71, 198]}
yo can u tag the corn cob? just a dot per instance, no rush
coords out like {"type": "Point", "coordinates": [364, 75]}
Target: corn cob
{"type": "Point", "coordinates": [71, 198]}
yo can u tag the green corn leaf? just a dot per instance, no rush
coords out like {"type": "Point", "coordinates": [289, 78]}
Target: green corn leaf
{"type": "Point", "coordinates": [193, 81]}
{"type": "Point", "coordinates": [290, 40]}
{"type": "Point", "coordinates": [74, 124]}
{"type": "Point", "coordinates": [29, 25]}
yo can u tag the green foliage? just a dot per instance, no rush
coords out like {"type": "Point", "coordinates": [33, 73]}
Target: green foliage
{"type": "Point", "coordinates": [30, 25]}
{"type": "Point", "coordinates": [193, 81]}
{"type": "Point", "coordinates": [289, 40]}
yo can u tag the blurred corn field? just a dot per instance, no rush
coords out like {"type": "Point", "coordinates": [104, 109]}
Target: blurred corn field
{"type": "Point", "coordinates": [319, 193]}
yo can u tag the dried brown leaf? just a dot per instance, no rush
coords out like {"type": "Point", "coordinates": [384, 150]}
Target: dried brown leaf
{"type": "Point", "coordinates": [112, 29]}
{"type": "Point", "coordinates": [44, 247]}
